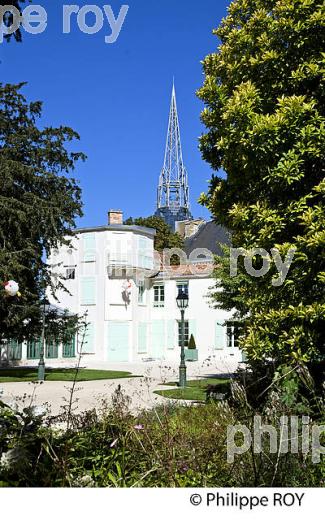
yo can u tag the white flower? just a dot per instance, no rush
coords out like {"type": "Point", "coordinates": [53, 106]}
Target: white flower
{"type": "Point", "coordinates": [12, 288]}
{"type": "Point", "coordinates": [11, 458]}
{"type": "Point", "coordinates": [84, 481]}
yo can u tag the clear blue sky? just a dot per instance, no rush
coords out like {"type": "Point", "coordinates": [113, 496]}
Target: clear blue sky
{"type": "Point", "coordinates": [116, 96]}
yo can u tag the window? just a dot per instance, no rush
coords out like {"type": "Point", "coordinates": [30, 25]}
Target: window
{"type": "Point", "coordinates": [233, 333]}
{"type": "Point", "coordinates": [158, 296]}
{"type": "Point", "coordinates": [70, 273]}
{"type": "Point", "coordinates": [182, 286]}
{"type": "Point", "coordinates": [186, 333]}
{"type": "Point", "coordinates": [141, 293]}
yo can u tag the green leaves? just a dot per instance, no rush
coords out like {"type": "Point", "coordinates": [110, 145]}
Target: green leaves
{"type": "Point", "coordinates": [38, 204]}
{"type": "Point", "coordinates": [265, 119]}
{"type": "Point", "coordinates": [165, 238]}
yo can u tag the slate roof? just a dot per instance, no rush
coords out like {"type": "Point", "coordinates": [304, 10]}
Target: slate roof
{"type": "Point", "coordinates": [208, 236]}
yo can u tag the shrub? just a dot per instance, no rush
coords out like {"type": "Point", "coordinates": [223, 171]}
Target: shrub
{"type": "Point", "coordinates": [169, 446]}
{"type": "Point", "coordinates": [191, 343]}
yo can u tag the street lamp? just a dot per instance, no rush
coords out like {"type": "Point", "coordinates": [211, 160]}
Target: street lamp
{"type": "Point", "coordinates": [41, 363]}
{"type": "Point", "coordinates": [182, 304]}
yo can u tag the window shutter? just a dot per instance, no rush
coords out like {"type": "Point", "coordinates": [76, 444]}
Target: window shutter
{"type": "Point", "coordinates": [14, 350]}
{"type": "Point", "coordinates": [52, 348]}
{"type": "Point", "coordinates": [69, 348]}
{"type": "Point", "coordinates": [158, 333]}
{"type": "Point", "coordinates": [141, 252]}
{"type": "Point", "coordinates": [88, 346]}
{"type": "Point", "coordinates": [88, 291]}
{"type": "Point", "coordinates": [118, 341]}
{"type": "Point", "coordinates": [158, 338]}
{"type": "Point", "coordinates": [33, 349]}
{"type": "Point", "coordinates": [142, 338]}
{"type": "Point", "coordinates": [89, 247]}
{"type": "Point", "coordinates": [220, 336]}
{"type": "Point", "coordinates": [144, 253]}
{"type": "Point", "coordinates": [170, 334]}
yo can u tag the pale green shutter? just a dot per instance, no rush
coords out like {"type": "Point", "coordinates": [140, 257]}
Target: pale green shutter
{"type": "Point", "coordinates": [69, 348]}
{"type": "Point", "coordinates": [88, 291]}
{"type": "Point", "coordinates": [14, 350]}
{"type": "Point", "coordinates": [148, 255]}
{"type": "Point", "coordinates": [170, 334]}
{"type": "Point", "coordinates": [158, 338]}
{"type": "Point", "coordinates": [51, 348]}
{"type": "Point", "coordinates": [220, 336]}
{"type": "Point", "coordinates": [118, 341]}
{"type": "Point", "coordinates": [88, 346]}
{"type": "Point", "coordinates": [141, 251]}
{"type": "Point", "coordinates": [34, 349]}
{"type": "Point", "coordinates": [142, 338]}
{"type": "Point", "coordinates": [89, 247]}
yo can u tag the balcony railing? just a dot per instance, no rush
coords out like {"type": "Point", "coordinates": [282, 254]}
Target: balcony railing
{"type": "Point", "coordinates": [123, 268]}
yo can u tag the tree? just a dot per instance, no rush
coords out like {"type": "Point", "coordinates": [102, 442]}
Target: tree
{"type": "Point", "coordinates": [38, 205]}
{"type": "Point", "coordinates": [7, 19]}
{"type": "Point", "coordinates": [264, 96]}
{"type": "Point", "coordinates": [165, 238]}
{"type": "Point", "coordinates": [192, 343]}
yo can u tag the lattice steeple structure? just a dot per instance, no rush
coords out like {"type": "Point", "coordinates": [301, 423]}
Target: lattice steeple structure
{"type": "Point", "coordinates": [173, 191]}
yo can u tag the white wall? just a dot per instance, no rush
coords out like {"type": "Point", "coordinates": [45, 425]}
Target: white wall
{"type": "Point", "coordinates": [110, 318]}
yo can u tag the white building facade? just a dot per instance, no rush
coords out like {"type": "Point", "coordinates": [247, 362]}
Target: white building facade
{"type": "Point", "coordinates": [130, 303]}
{"type": "Point", "coordinates": [113, 277]}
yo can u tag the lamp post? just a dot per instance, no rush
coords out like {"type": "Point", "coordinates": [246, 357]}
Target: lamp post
{"type": "Point", "coordinates": [41, 363]}
{"type": "Point", "coordinates": [182, 304]}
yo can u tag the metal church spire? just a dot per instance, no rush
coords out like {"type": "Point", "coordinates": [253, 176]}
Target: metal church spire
{"type": "Point", "coordinates": [173, 192]}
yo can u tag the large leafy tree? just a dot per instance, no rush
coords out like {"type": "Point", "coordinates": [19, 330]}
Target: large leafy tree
{"type": "Point", "coordinates": [264, 114]}
{"type": "Point", "coordinates": [39, 202]}
{"type": "Point", "coordinates": [165, 238]}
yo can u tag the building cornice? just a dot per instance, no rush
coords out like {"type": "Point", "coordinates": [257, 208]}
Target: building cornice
{"type": "Point", "coordinates": [140, 230]}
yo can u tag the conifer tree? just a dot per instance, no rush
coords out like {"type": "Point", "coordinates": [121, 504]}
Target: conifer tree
{"type": "Point", "coordinates": [39, 203]}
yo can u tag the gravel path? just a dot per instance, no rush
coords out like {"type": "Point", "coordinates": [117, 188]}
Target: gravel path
{"type": "Point", "coordinates": [90, 394]}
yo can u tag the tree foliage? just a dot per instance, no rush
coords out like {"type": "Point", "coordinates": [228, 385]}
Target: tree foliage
{"type": "Point", "coordinates": [192, 343]}
{"type": "Point", "coordinates": [39, 202]}
{"type": "Point", "coordinates": [165, 237]}
{"type": "Point", "coordinates": [264, 114]}
{"type": "Point", "coordinates": [7, 19]}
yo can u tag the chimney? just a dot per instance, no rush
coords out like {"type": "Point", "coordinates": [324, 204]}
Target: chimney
{"type": "Point", "coordinates": [115, 217]}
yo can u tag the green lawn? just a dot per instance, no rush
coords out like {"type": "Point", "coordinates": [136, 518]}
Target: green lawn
{"type": "Point", "coordinates": [10, 375]}
{"type": "Point", "coordinates": [195, 390]}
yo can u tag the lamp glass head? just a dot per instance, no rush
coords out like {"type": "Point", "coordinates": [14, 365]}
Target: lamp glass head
{"type": "Point", "coordinates": [182, 300]}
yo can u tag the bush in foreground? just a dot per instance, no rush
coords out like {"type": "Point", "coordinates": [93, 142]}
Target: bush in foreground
{"type": "Point", "coordinates": [169, 446]}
